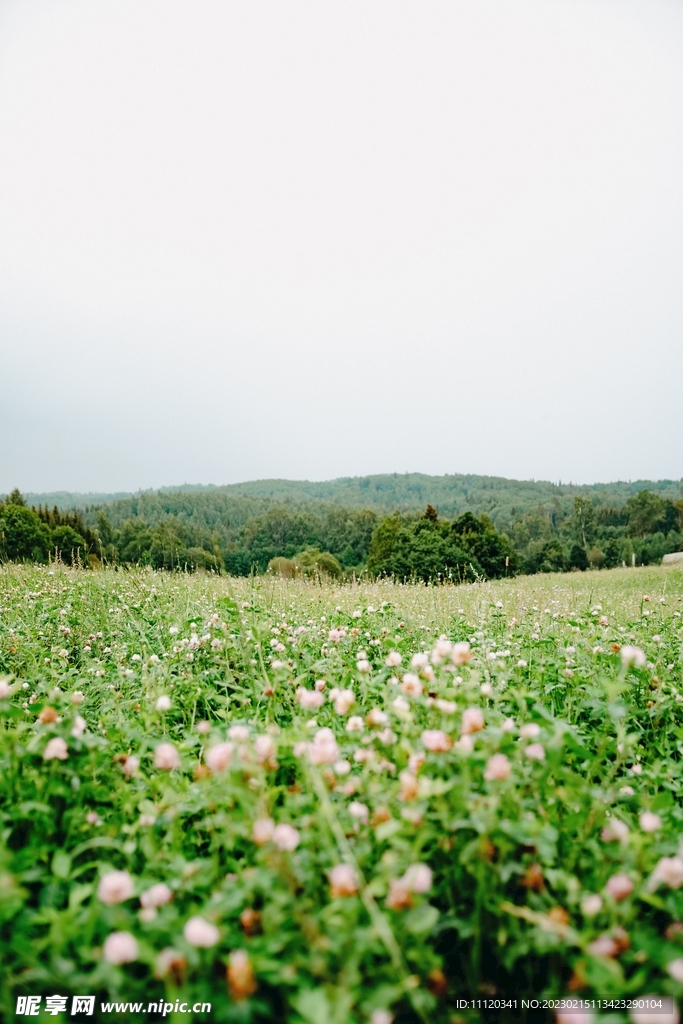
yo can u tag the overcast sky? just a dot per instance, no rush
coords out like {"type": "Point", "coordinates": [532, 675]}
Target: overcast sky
{"type": "Point", "coordinates": [315, 239]}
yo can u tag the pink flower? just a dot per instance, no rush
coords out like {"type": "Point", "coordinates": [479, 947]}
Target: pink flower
{"type": "Point", "coordinates": [472, 721]}
{"type": "Point", "coordinates": [80, 725]}
{"type": "Point", "coordinates": [355, 724]}
{"type": "Point", "coordinates": [238, 733]}
{"type": "Point", "coordinates": [323, 749]}
{"type": "Point", "coordinates": [675, 969]}
{"type": "Point", "coordinates": [418, 878]}
{"type": "Point", "coordinates": [419, 661]}
{"type": "Point", "coordinates": [309, 698]}
{"type": "Point", "coordinates": [343, 881]}
{"type": "Point", "coordinates": [381, 1016]}
{"type": "Point", "coordinates": [436, 740]}
{"type": "Point", "coordinates": [669, 871]}
{"type": "Point", "coordinates": [591, 905]}
{"type": "Point", "coordinates": [343, 700]}
{"type": "Point", "coordinates": [411, 685]}
{"type": "Point", "coordinates": [627, 791]}
{"type": "Point", "coordinates": [264, 748]}
{"type": "Point", "coordinates": [156, 896]}
{"type": "Point", "coordinates": [615, 831]}
{"type": "Point", "coordinates": [262, 831]}
{"type": "Point", "coordinates": [200, 932]}
{"type": "Point", "coordinates": [363, 665]}
{"type": "Point", "coordinates": [115, 887]}
{"type": "Point", "coordinates": [375, 717]}
{"type": "Point", "coordinates": [461, 653]}
{"type": "Point", "coordinates": [219, 756]}
{"type": "Point", "coordinates": [130, 765]}
{"type": "Point", "coordinates": [120, 948]}
{"type": "Point", "coordinates": [604, 945]}
{"type": "Point", "coordinates": [650, 822]}
{"type": "Point", "coordinates": [56, 749]}
{"type": "Point", "coordinates": [619, 887]}
{"type": "Point", "coordinates": [464, 745]}
{"type": "Point", "coordinates": [530, 731]}
{"type": "Point", "coordinates": [535, 752]}
{"type": "Point", "coordinates": [409, 787]}
{"type": "Point", "coordinates": [394, 659]}
{"type": "Point", "coordinates": [508, 725]}
{"type": "Point", "coordinates": [285, 837]}
{"type": "Point", "coordinates": [166, 757]}
{"type": "Point", "coordinates": [498, 768]}
{"type": "Point", "coordinates": [415, 761]}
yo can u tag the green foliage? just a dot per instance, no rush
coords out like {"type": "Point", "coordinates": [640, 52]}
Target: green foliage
{"type": "Point", "coordinates": [522, 859]}
{"type": "Point", "coordinates": [23, 537]}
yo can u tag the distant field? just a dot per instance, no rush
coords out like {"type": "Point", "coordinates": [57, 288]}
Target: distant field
{"type": "Point", "coordinates": [306, 803]}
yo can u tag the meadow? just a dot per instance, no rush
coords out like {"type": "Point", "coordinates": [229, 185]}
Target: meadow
{"type": "Point", "coordinates": [311, 802]}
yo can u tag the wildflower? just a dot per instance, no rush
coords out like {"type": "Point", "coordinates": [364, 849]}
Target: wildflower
{"type": "Point", "coordinates": [615, 831]}
{"type": "Point", "coordinates": [163, 703]}
{"type": "Point", "coordinates": [381, 1016]}
{"type": "Point", "coordinates": [375, 717]}
{"type": "Point", "coordinates": [363, 665]}
{"type": "Point", "coordinates": [56, 749]}
{"type": "Point", "coordinates": [400, 704]}
{"type": "Point", "coordinates": [419, 661]}
{"type": "Point", "coordinates": [219, 756]}
{"type": "Point", "coordinates": [360, 811]}
{"type": "Point", "coordinates": [309, 698]}
{"type": "Point", "coordinates": [166, 757]}
{"type": "Point", "coordinates": [79, 728]}
{"type": "Point", "coordinates": [461, 653]}
{"type": "Point", "coordinates": [342, 767]}
{"type": "Point", "coordinates": [250, 920]}
{"type": "Point", "coordinates": [411, 685]}
{"type": "Point", "coordinates": [343, 700]}
{"type": "Point", "coordinates": [632, 656]}
{"type": "Point", "coordinates": [604, 945]}
{"type": "Point", "coordinates": [320, 685]}
{"type": "Point", "coordinates": [436, 740]}
{"type": "Point", "coordinates": [627, 791]}
{"type": "Point", "coordinates": [47, 715]}
{"type": "Point", "coordinates": [521, 663]}
{"type": "Point", "coordinates": [93, 818]}
{"type": "Point", "coordinates": [409, 787]}
{"type": "Point", "coordinates": [498, 768]}
{"type": "Point", "coordinates": [591, 905]}
{"type": "Point", "coordinates": [400, 897]}
{"type": "Point", "coordinates": [115, 887]}
{"type": "Point", "coordinates": [323, 749]}
{"type": "Point", "coordinates": [508, 725]}
{"type": "Point", "coordinates": [238, 733]}
{"type": "Point", "coordinates": [393, 660]}
{"type": "Point", "coordinates": [156, 896]}
{"type": "Point", "coordinates": [530, 731]}
{"type": "Point", "coordinates": [387, 737]}
{"type": "Point", "coordinates": [77, 697]}
{"type": "Point", "coordinates": [447, 707]}
{"type": "Point", "coordinates": [285, 837]}
{"type": "Point", "coordinates": [669, 871]}
{"type": "Point", "coordinates": [264, 748]}
{"type": "Point", "coordinates": [418, 878]}
{"type": "Point", "coordinates": [204, 727]}
{"type": "Point", "coordinates": [130, 765]}
{"type": "Point", "coordinates": [465, 744]}
{"type": "Point", "coordinates": [416, 760]}
{"type": "Point", "coordinates": [5, 689]}
{"type": "Point", "coordinates": [343, 881]}
{"type": "Point", "coordinates": [120, 948]}
{"type": "Point", "coordinates": [442, 649]}
{"type": "Point", "coordinates": [675, 969]}
{"type": "Point", "coordinates": [170, 961]}
{"type": "Point", "coordinates": [240, 975]}
{"type": "Point", "coordinates": [650, 822]}
{"type": "Point", "coordinates": [262, 830]}
{"type": "Point", "coordinates": [619, 886]}
{"type": "Point", "coordinates": [355, 724]}
{"type": "Point", "coordinates": [200, 932]}
{"type": "Point", "coordinates": [472, 721]}
{"type": "Point", "coordinates": [603, 621]}
{"type": "Point", "coordinates": [486, 690]}
{"type": "Point", "coordinates": [535, 752]}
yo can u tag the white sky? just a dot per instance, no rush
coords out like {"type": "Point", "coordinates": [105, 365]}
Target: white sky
{"type": "Point", "coordinates": [241, 240]}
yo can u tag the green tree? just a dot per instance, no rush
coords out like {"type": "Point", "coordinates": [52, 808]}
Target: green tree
{"type": "Point", "coordinates": [22, 534]}
{"type": "Point", "coordinates": [584, 521]}
{"type": "Point", "coordinates": [647, 513]}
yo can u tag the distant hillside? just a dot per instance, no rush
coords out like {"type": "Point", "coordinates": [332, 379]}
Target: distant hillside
{"type": "Point", "coordinates": [452, 494]}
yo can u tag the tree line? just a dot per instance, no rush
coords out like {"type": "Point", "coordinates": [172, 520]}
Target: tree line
{"type": "Point", "coordinates": [241, 534]}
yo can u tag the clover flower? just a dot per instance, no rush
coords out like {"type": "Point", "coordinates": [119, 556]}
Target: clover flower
{"type": "Point", "coordinates": [120, 948]}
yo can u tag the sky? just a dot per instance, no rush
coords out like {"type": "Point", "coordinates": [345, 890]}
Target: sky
{"type": "Point", "coordinates": [242, 240]}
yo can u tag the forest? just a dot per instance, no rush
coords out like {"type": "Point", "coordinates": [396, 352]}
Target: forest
{"type": "Point", "coordinates": [484, 528]}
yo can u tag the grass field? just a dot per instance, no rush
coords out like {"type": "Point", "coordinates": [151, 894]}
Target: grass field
{"type": "Point", "coordinates": [312, 803]}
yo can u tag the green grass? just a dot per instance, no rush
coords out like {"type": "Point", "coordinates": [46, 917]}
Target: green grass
{"type": "Point", "coordinates": [512, 860]}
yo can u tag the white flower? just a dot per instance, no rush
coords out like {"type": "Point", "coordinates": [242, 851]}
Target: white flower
{"type": "Point", "coordinates": [615, 831]}
{"type": "Point", "coordinates": [394, 659]}
{"type": "Point", "coordinates": [79, 728]}
{"type": "Point", "coordinates": [381, 1017]}
{"type": "Point", "coordinates": [400, 704]}
{"type": "Point", "coordinates": [521, 663]}
{"type": "Point", "coordinates": [163, 703]}
{"type": "Point", "coordinates": [56, 749]}
{"type": "Point", "coordinates": [675, 969]}
{"type": "Point", "coordinates": [486, 689]}
{"type": "Point", "coordinates": [343, 700]}
{"type": "Point", "coordinates": [465, 744]}
{"type": "Point", "coordinates": [411, 685]}
{"type": "Point", "coordinates": [472, 720]}
{"type": "Point", "coordinates": [419, 660]}
{"type": "Point", "coordinates": [262, 830]}
{"type": "Point", "coordinates": [669, 871]}
{"type": "Point", "coordinates": [530, 731]}
{"type": "Point", "coordinates": [375, 717]}
{"type": "Point", "coordinates": [498, 768]}
{"type": "Point", "coordinates": [343, 881]}
{"type": "Point", "coordinates": [264, 748]}
{"type": "Point", "coordinates": [120, 948]}
{"type": "Point", "coordinates": [650, 822]}
{"type": "Point", "coordinates": [342, 767]}
{"type": "Point", "coordinates": [5, 689]}
{"type": "Point", "coordinates": [200, 932]}
{"type": "Point", "coordinates": [627, 791]}
{"type": "Point", "coordinates": [355, 724]}
{"type": "Point", "coordinates": [115, 887]}
{"type": "Point", "coordinates": [508, 725]}
{"type": "Point", "coordinates": [418, 878]}
{"type": "Point", "coordinates": [166, 757]}
{"type": "Point", "coordinates": [156, 896]}
{"type": "Point", "coordinates": [238, 733]}
{"type": "Point", "coordinates": [591, 905]}
{"type": "Point", "coordinates": [632, 656]}
{"type": "Point", "coordinates": [285, 837]}
{"type": "Point", "coordinates": [359, 810]}
{"type": "Point", "coordinates": [77, 697]}
{"type": "Point", "coordinates": [436, 740]}
{"type": "Point", "coordinates": [363, 665]}
{"type": "Point", "coordinates": [130, 765]}
{"type": "Point", "coordinates": [219, 756]}
{"type": "Point", "coordinates": [323, 749]}
{"type": "Point", "coordinates": [309, 698]}
{"type": "Point", "coordinates": [619, 887]}
{"type": "Point", "coordinates": [535, 752]}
